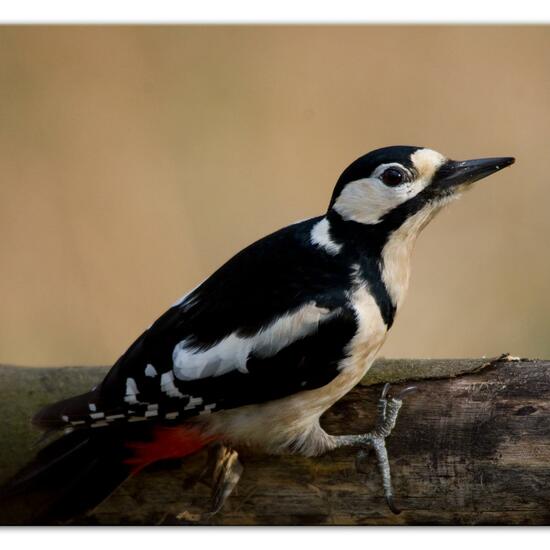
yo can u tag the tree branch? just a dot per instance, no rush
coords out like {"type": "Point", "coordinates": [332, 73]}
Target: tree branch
{"type": "Point", "coordinates": [472, 446]}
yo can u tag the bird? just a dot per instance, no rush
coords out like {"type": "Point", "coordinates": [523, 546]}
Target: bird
{"type": "Point", "coordinates": [254, 355]}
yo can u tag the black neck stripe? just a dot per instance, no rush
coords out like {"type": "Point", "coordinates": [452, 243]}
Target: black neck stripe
{"type": "Point", "coordinates": [362, 245]}
{"type": "Point", "coordinates": [371, 272]}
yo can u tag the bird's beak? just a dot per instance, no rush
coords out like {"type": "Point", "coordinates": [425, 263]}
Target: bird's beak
{"type": "Point", "coordinates": [454, 173]}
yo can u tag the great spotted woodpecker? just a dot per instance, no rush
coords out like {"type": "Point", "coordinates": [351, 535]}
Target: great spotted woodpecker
{"type": "Point", "coordinates": [262, 348]}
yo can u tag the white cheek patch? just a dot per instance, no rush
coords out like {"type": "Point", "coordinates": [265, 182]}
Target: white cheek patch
{"type": "Point", "coordinates": [233, 351]}
{"type": "Point", "coordinates": [368, 200]}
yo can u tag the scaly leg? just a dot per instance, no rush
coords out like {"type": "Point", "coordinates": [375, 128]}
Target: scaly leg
{"type": "Point", "coordinates": [388, 409]}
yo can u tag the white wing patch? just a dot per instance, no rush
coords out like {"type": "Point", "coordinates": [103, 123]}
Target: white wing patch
{"type": "Point", "coordinates": [131, 391]}
{"type": "Point", "coordinates": [320, 235]}
{"type": "Point", "coordinates": [288, 329]}
{"type": "Point", "coordinates": [168, 387]}
{"type": "Point", "coordinates": [190, 363]}
{"type": "Point", "coordinates": [233, 351]}
{"type": "Point", "coordinates": [193, 403]}
{"type": "Point", "coordinates": [150, 371]}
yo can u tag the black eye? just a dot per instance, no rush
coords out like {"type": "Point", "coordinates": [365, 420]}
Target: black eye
{"type": "Point", "coordinates": [393, 177]}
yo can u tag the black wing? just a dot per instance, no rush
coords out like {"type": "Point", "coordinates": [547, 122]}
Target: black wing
{"type": "Point", "coordinates": [273, 321]}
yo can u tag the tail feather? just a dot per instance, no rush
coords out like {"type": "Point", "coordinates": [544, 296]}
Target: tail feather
{"type": "Point", "coordinates": [76, 472]}
{"type": "Point", "coordinates": [43, 464]}
{"type": "Point", "coordinates": [67, 478]}
{"type": "Point", "coordinates": [52, 416]}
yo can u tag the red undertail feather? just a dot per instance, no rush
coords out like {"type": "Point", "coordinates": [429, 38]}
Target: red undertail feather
{"type": "Point", "coordinates": [167, 443]}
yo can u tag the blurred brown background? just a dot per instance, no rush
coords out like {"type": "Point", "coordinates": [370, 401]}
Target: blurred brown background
{"type": "Point", "coordinates": [135, 160]}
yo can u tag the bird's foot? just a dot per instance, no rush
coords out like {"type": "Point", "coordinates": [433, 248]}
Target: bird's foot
{"type": "Point", "coordinates": [225, 470]}
{"type": "Point", "coordinates": [388, 410]}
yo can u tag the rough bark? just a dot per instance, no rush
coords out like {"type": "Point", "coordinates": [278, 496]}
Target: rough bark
{"type": "Point", "coordinates": [472, 446]}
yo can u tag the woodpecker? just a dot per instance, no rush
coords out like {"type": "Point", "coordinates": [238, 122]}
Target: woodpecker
{"type": "Point", "coordinates": [256, 353]}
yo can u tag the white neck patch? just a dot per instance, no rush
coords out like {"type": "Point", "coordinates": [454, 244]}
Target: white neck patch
{"type": "Point", "coordinates": [320, 235]}
{"type": "Point", "coordinates": [368, 200]}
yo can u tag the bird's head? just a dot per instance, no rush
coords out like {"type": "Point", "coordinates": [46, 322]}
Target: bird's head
{"type": "Point", "coordinates": [389, 186]}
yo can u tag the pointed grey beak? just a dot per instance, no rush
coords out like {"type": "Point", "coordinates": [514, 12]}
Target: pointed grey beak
{"type": "Point", "coordinates": [454, 173]}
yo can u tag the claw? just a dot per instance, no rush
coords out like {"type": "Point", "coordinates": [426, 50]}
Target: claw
{"type": "Point", "coordinates": [388, 410]}
{"type": "Point", "coordinates": [225, 468]}
{"type": "Point", "coordinates": [392, 506]}
{"type": "Point", "coordinates": [407, 390]}
{"type": "Point", "coordinates": [227, 473]}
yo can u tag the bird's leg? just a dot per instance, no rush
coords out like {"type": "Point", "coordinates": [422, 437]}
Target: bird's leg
{"type": "Point", "coordinates": [225, 469]}
{"type": "Point", "coordinates": [388, 410]}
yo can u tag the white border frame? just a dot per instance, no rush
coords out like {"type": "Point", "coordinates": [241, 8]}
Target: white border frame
{"type": "Point", "coordinates": [281, 11]}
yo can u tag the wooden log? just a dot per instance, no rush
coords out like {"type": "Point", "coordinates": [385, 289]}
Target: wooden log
{"type": "Point", "coordinates": [472, 446]}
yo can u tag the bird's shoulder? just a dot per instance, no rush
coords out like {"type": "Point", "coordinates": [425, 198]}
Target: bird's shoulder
{"type": "Point", "coordinates": [268, 278]}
